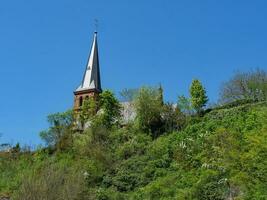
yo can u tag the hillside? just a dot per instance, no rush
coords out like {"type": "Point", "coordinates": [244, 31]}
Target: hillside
{"type": "Point", "coordinates": [221, 155]}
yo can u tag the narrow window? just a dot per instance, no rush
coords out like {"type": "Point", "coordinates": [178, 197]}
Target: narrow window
{"type": "Point", "coordinates": [81, 101]}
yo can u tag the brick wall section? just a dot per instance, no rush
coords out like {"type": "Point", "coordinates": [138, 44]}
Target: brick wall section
{"type": "Point", "coordinates": [83, 94]}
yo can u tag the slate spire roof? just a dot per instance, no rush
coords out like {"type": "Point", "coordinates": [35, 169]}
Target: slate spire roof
{"type": "Point", "coordinates": [91, 78]}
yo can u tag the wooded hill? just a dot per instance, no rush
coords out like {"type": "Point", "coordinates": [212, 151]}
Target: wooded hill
{"type": "Point", "coordinates": [165, 153]}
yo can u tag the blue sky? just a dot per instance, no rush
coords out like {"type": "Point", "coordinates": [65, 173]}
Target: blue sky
{"type": "Point", "coordinates": [44, 46]}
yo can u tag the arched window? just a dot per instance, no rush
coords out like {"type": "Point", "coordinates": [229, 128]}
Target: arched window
{"type": "Point", "coordinates": [86, 97]}
{"type": "Point", "coordinates": [80, 101]}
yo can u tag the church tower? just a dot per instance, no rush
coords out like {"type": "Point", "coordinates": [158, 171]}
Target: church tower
{"type": "Point", "coordinates": [91, 83]}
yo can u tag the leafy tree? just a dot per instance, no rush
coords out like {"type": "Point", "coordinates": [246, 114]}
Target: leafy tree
{"type": "Point", "coordinates": [110, 108]}
{"type": "Point", "coordinates": [148, 107]}
{"type": "Point", "coordinates": [198, 95]}
{"type": "Point", "coordinates": [245, 86]}
{"type": "Point", "coordinates": [60, 126]}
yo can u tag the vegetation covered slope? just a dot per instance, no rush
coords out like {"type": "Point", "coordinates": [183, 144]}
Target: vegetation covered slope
{"type": "Point", "coordinates": [221, 155]}
{"type": "Point", "coordinates": [165, 152]}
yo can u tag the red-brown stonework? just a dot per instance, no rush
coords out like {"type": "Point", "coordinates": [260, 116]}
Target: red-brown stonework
{"type": "Point", "coordinates": [80, 96]}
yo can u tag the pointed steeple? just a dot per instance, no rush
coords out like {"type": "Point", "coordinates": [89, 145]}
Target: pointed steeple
{"type": "Point", "coordinates": [91, 78]}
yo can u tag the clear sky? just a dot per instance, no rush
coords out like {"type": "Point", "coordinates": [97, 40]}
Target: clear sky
{"type": "Point", "coordinates": [44, 47]}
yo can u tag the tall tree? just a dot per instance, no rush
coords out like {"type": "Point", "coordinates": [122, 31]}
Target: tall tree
{"type": "Point", "coordinates": [198, 95]}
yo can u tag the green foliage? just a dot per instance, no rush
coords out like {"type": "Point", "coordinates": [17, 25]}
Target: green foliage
{"type": "Point", "coordinates": [53, 182]}
{"type": "Point", "coordinates": [88, 110]}
{"type": "Point", "coordinates": [221, 155]}
{"type": "Point", "coordinates": [154, 116]}
{"type": "Point", "coordinates": [172, 117]}
{"type": "Point", "coordinates": [198, 95]}
{"type": "Point", "coordinates": [59, 131]}
{"type": "Point", "coordinates": [110, 107]}
{"type": "Point", "coordinates": [148, 107]}
{"type": "Point", "coordinates": [12, 168]}
{"type": "Point", "coordinates": [104, 111]}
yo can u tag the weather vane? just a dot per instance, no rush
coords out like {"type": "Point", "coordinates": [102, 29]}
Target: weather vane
{"type": "Point", "coordinates": [96, 25]}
